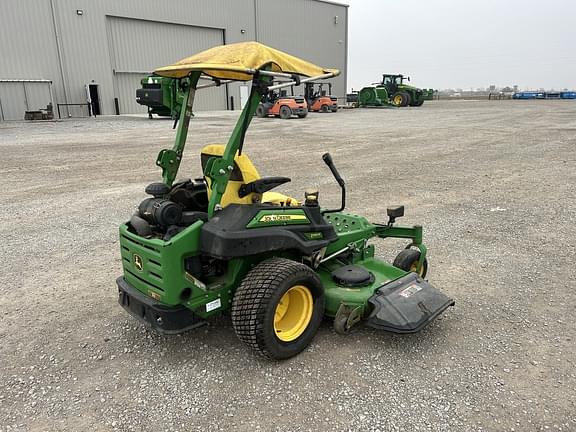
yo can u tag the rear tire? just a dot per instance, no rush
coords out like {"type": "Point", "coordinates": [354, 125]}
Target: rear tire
{"type": "Point", "coordinates": [302, 115]}
{"type": "Point", "coordinates": [401, 99]}
{"type": "Point", "coordinates": [324, 108]}
{"type": "Point", "coordinates": [334, 109]}
{"type": "Point", "coordinates": [407, 260]}
{"type": "Point", "coordinates": [285, 112]}
{"type": "Point", "coordinates": [260, 111]}
{"type": "Point", "coordinates": [418, 103]}
{"type": "Point", "coordinates": [278, 308]}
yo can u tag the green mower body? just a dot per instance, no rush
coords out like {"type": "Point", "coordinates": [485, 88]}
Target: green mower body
{"type": "Point", "coordinates": [161, 95]}
{"type": "Point", "coordinates": [278, 267]}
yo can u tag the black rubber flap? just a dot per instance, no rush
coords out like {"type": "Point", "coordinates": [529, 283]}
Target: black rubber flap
{"type": "Point", "coordinates": [352, 276]}
{"type": "Point", "coordinates": [406, 305]}
{"type": "Point", "coordinates": [162, 318]}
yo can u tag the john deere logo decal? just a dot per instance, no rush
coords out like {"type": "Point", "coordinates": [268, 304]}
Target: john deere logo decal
{"type": "Point", "coordinates": [138, 262]}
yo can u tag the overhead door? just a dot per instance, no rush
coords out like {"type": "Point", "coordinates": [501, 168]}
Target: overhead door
{"type": "Point", "coordinates": [137, 47]}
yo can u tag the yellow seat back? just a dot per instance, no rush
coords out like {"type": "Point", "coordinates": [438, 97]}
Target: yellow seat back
{"type": "Point", "coordinates": [244, 172]}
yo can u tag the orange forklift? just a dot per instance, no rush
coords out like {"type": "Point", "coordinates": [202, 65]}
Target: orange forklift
{"type": "Point", "coordinates": [318, 100]}
{"type": "Point", "coordinates": [281, 105]}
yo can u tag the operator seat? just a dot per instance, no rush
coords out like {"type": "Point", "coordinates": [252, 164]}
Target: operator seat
{"type": "Point", "coordinates": [244, 172]}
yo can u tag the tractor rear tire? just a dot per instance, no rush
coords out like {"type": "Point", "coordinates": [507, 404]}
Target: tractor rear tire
{"type": "Point", "coordinates": [260, 111]}
{"type": "Point", "coordinates": [302, 115]}
{"type": "Point", "coordinates": [334, 109]}
{"type": "Point", "coordinates": [401, 99]}
{"type": "Point", "coordinates": [324, 108]}
{"type": "Point", "coordinates": [285, 112]}
{"type": "Point", "coordinates": [407, 260]}
{"type": "Point", "coordinates": [278, 308]}
{"type": "Point", "coordinates": [417, 103]}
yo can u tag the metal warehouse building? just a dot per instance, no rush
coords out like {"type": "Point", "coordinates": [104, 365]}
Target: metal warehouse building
{"type": "Point", "coordinates": [67, 50]}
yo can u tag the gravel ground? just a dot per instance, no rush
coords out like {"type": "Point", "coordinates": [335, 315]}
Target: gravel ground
{"type": "Point", "coordinates": [492, 183]}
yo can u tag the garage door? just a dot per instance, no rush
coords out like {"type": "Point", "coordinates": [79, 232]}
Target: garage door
{"type": "Point", "coordinates": [137, 47]}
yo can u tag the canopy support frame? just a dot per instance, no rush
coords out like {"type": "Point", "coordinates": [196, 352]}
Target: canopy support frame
{"type": "Point", "coordinates": [169, 159]}
{"type": "Point", "coordinates": [218, 169]}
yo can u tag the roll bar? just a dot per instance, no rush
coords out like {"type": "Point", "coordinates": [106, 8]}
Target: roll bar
{"type": "Point", "coordinates": [216, 82]}
{"type": "Point", "coordinates": [219, 169]}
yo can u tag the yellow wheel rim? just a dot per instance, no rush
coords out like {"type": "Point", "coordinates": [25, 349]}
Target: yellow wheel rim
{"type": "Point", "coordinates": [414, 268]}
{"type": "Point", "coordinates": [293, 313]}
{"type": "Point", "coordinates": [398, 100]}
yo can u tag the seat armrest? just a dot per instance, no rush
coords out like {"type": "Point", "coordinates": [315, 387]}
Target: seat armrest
{"type": "Point", "coordinates": [261, 185]}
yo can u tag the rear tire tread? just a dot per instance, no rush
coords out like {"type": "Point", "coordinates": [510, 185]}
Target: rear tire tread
{"type": "Point", "coordinates": [255, 292]}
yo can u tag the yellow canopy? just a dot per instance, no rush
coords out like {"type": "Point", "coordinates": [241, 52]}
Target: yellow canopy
{"type": "Point", "coordinates": [239, 61]}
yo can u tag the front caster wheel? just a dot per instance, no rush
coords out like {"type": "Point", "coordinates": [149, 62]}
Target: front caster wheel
{"type": "Point", "coordinates": [407, 260]}
{"type": "Point", "coordinates": [278, 308]}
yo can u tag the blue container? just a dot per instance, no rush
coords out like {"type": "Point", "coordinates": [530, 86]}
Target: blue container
{"type": "Point", "coordinates": [525, 95]}
{"type": "Point", "coordinates": [543, 95]}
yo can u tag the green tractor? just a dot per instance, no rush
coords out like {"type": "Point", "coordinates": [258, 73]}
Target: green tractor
{"type": "Point", "coordinates": [428, 94]}
{"type": "Point", "coordinates": [163, 96]}
{"type": "Point", "coordinates": [226, 242]}
{"type": "Point", "coordinates": [391, 91]}
{"type": "Point", "coordinates": [401, 94]}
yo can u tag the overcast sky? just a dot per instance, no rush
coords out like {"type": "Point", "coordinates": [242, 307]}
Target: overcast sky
{"type": "Point", "coordinates": [464, 43]}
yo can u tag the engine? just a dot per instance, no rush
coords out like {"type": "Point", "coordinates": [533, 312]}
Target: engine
{"type": "Point", "coordinates": [171, 209]}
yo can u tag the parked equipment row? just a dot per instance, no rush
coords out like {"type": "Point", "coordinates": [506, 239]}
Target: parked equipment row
{"type": "Point", "coordinates": [163, 97]}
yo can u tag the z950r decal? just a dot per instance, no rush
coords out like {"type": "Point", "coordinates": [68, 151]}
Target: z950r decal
{"type": "Point", "coordinates": [281, 218]}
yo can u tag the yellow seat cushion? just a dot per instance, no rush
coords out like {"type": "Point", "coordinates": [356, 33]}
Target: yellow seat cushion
{"type": "Point", "coordinates": [244, 172]}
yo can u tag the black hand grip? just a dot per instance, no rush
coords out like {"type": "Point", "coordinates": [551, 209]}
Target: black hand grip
{"type": "Point", "coordinates": [328, 161]}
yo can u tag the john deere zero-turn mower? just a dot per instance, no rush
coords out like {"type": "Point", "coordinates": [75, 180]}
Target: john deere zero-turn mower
{"type": "Point", "coordinates": [162, 96]}
{"type": "Point", "coordinates": [226, 241]}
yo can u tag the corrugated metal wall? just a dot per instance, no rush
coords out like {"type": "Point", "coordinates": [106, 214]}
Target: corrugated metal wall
{"type": "Point", "coordinates": [85, 37]}
{"type": "Point", "coordinates": [48, 39]}
{"type": "Point", "coordinates": [12, 101]}
{"type": "Point", "coordinates": [129, 42]}
{"type": "Point", "coordinates": [18, 97]}
{"type": "Point", "coordinates": [27, 51]}
{"type": "Point", "coordinates": [313, 30]}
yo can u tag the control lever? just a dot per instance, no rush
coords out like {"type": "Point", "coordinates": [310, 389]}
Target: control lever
{"type": "Point", "coordinates": [328, 161]}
